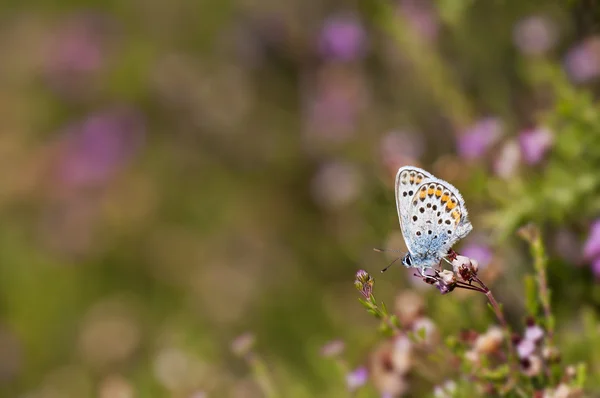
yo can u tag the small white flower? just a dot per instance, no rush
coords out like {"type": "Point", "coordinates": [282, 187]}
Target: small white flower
{"type": "Point", "coordinates": [534, 333]}
{"type": "Point", "coordinates": [490, 341]}
{"type": "Point", "coordinates": [429, 328]}
{"type": "Point", "coordinates": [402, 354]}
{"type": "Point", "coordinates": [446, 390]}
{"type": "Point", "coordinates": [525, 348]}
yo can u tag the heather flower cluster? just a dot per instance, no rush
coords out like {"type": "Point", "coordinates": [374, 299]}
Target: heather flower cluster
{"type": "Point", "coordinates": [497, 361]}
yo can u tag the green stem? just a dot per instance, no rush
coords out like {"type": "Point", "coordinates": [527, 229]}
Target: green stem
{"type": "Point", "coordinates": [540, 264]}
{"type": "Point", "coordinates": [261, 375]}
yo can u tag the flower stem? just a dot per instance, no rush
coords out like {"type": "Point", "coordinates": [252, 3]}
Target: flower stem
{"type": "Point", "coordinates": [261, 375]}
{"type": "Point", "coordinates": [512, 354]}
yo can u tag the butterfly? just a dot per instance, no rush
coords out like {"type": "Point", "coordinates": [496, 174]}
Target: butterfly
{"type": "Point", "coordinates": [432, 214]}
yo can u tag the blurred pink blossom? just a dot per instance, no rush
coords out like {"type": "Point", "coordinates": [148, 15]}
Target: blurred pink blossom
{"type": "Point", "coordinates": [480, 252]}
{"type": "Point", "coordinates": [398, 148]}
{"type": "Point", "coordinates": [591, 247]}
{"type": "Point", "coordinates": [76, 51]}
{"type": "Point", "coordinates": [596, 267]}
{"type": "Point", "coordinates": [98, 146]}
{"type": "Point", "coordinates": [582, 62]}
{"type": "Point", "coordinates": [336, 184]}
{"type": "Point", "coordinates": [535, 35]}
{"type": "Point", "coordinates": [476, 140]}
{"type": "Point", "coordinates": [342, 38]}
{"type": "Point", "coordinates": [535, 143]}
{"type": "Point", "coordinates": [507, 161]}
{"type": "Point", "coordinates": [357, 378]}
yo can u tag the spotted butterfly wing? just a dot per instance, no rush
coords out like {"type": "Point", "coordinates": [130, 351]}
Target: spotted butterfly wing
{"type": "Point", "coordinates": [437, 219]}
{"type": "Point", "coordinates": [408, 180]}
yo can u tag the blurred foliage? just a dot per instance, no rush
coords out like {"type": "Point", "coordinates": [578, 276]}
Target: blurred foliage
{"type": "Point", "coordinates": [175, 175]}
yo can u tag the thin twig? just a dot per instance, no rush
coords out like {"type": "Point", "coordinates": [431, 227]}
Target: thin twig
{"type": "Point", "coordinates": [500, 315]}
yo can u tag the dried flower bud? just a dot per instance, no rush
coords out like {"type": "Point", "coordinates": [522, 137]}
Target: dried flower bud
{"type": "Point", "coordinates": [448, 277]}
{"type": "Point", "coordinates": [532, 366]}
{"type": "Point", "coordinates": [364, 283]}
{"type": "Point", "coordinates": [465, 267]}
{"type": "Point", "coordinates": [529, 232]}
{"type": "Point", "coordinates": [490, 341]}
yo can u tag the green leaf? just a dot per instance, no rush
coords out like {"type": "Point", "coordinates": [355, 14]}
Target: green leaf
{"type": "Point", "coordinates": [365, 303]}
{"type": "Point", "coordinates": [395, 321]}
{"type": "Point", "coordinates": [384, 308]}
{"type": "Point", "coordinates": [498, 374]}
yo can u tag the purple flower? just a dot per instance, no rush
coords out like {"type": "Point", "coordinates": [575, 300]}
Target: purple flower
{"type": "Point", "coordinates": [481, 253]}
{"type": "Point", "coordinates": [76, 51]}
{"type": "Point", "coordinates": [525, 348]}
{"type": "Point", "coordinates": [591, 248]}
{"type": "Point", "coordinates": [534, 35]}
{"type": "Point", "coordinates": [596, 267]}
{"type": "Point", "coordinates": [534, 333]}
{"type": "Point", "coordinates": [342, 38]}
{"type": "Point", "coordinates": [582, 62]}
{"type": "Point", "coordinates": [97, 147]}
{"type": "Point", "coordinates": [534, 144]}
{"type": "Point", "coordinates": [357, 378]}
{"type": "Point", "coordinates": [475, 141]}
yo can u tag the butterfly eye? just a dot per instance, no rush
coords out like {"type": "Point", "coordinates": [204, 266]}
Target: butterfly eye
{"type": "Point", "coordinates": [407, 260]}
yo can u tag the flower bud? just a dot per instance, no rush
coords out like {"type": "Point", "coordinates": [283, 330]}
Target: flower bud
{"type": "Point", "coordinates": [364, 283]}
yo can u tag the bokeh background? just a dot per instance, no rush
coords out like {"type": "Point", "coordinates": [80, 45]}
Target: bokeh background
{"type": "Point", "coordinates": [174, 175]}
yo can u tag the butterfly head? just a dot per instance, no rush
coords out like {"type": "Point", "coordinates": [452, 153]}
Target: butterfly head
{"type": "Point", "coordinates": [407, 261]}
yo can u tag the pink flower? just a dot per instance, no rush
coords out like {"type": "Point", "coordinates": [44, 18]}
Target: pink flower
{"type": "Point", "coordinates": [582, 62]}
{"type": "Point", "coordinates": [534, 144]}
{"type": "Point", "coordinates": [475, 141]}
{"type": "Point", "coordinates": [357, 378]}
{"type": "Point", "coordinates": [534, 35]}
{"type": "Point", "coordinates": [591, 248]}
{"type": "Point", "coordinates": [343, 37]}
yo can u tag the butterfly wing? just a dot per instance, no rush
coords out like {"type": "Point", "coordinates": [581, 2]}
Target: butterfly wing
{"type": "Point", "coordinates": [436, 219]}
{"type": "Point", "coordinates": [408, 180]}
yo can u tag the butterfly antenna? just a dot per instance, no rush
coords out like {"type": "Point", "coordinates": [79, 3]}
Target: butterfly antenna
{"type": "Point", "coordinates": [389, 265]}
{"type": "Point", "coordinates": [386, 250]}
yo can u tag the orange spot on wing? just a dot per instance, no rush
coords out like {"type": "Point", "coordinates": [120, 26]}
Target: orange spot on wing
{"type": "Point", "coordinates": [438, 192]}
{"type": "Point", "coordinates": [445, 198]}
{"type": "Point", "coordinates": [422, 194]}
{"type": "Point", "coordinates": [450, 205]}
{"type": "Point", "coordinates": [430, 191]}
{"type": "Point", "coordinates": [456, 215]}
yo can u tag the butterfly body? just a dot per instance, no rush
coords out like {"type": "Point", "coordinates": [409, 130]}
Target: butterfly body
{"type": "Point", "coordinates": [433, 216]}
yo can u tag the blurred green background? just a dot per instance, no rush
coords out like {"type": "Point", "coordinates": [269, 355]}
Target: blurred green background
{"type": "Point", "coordinates": [176, 174]}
